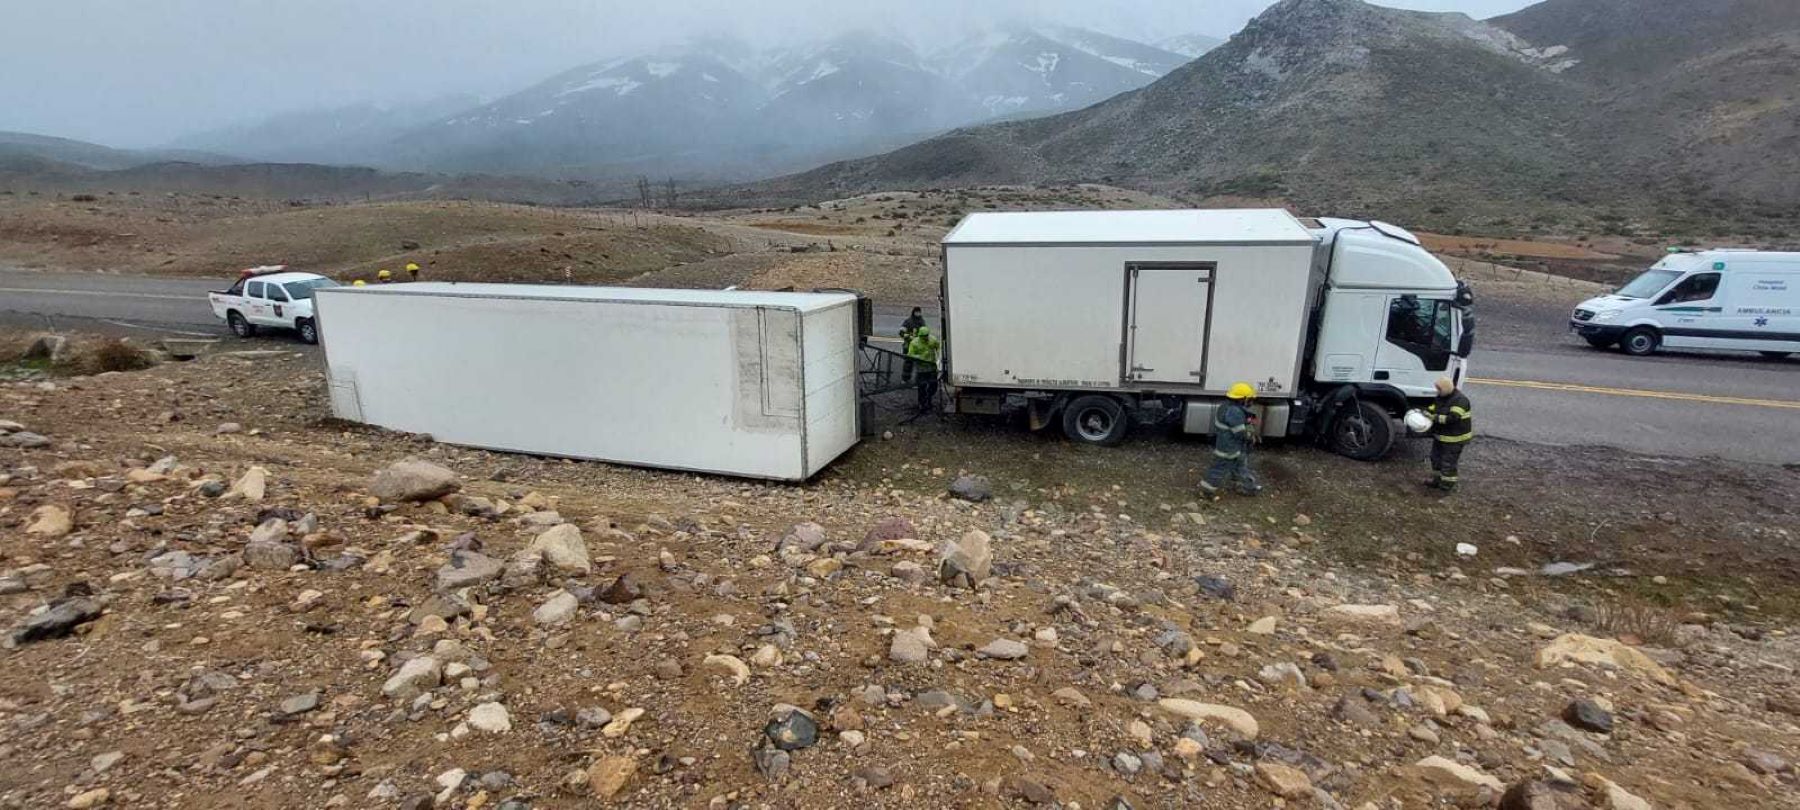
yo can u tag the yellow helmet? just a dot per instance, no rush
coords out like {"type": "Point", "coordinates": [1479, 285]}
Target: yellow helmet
{"type": "Point", "coordinates": [358, 283]}
{"type": "Point", "coordinates": [412, 268]}
{"type": "Point", "coordinates": [1240, 391]}
{"type": "Point", "coordinates": [384, 275]}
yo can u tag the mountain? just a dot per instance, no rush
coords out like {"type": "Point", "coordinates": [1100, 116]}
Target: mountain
{"type": "Point", "coordinates": [24, 147]}
{"type": "Point", "coordinates": [1353, 108]}
{"type": "Point", "coordinates": [1022, 69]}
{"type": "Point", "coordinates": [720, 108]}
{"type": "Point", "coordinates": [1189, 45]}
{"type": "Point", "coordinates": [351, 133]}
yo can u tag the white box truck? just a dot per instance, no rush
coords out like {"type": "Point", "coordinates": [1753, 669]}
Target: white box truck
{"type": "Point", "coordinates": [1739, 300]}
{"type": "Point", "coordinates": [1097, 319]}
{"type": "Point", "coordinates": [754, 384]}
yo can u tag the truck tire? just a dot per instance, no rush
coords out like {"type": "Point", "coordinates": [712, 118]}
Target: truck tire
{"type": "Point", "coordinates": [1776, 355]}
{"type": "Point", "coordinates": [1363, 431]}
{"type": "Point", "coordinates": [1640, 342]}
{"type": "Point", "coordinates": [309, 332]}
{"type": "Point", "coordinates": [1600, 342]}
{"type": "Point", "coordinates": [239, 325]}
{"type": "Point", "coordinates": [1095, 419]}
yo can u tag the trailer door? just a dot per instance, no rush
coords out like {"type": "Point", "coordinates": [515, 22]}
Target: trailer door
{"type": "Point", "coordinates": [1171, 313]}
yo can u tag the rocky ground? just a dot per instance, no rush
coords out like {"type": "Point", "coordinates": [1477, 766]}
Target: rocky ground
{"type": "Point", "coordinates": [217, 597]}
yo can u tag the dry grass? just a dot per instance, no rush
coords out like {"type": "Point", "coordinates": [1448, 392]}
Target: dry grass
{"type": "Point", "coordinates": [1636, 622]}
{"type": "Point", "coordinates": [113, 354]}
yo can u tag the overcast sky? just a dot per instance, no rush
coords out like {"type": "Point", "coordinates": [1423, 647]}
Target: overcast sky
{"type": "Point", "coordinates": [142, 72]}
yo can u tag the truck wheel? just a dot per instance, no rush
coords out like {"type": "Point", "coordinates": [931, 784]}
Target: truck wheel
{"type": "Point", "coordinates": [1364, 432]}
{"type": "Point", "coordinates": [1096, 420]}
{"type": "Point", "coordinates": [1600, 342]}
{"type": "Point", "coordinates": [1775, 355]}
{"type": "Point", "coordinates": [239, 326]}
{"type": "Point", "coordinates": [1640, 342]}
{"type": "Point", "coordinates": [308, 332]}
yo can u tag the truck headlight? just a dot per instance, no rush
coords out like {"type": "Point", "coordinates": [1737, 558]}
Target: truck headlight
{"type": "Point", "coordinates": [1612, 315]}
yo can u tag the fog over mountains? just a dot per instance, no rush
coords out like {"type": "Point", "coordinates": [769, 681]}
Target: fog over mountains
{"type": "Point", "coordinates": [720, 106]}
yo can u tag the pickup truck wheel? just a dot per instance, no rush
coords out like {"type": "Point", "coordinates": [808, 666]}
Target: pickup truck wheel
{"type": "Point", "coordinates": [1640, 342]}
{"type": "Point", "coordinates": [239, 326]}
{"type": "Point", "coordinates": [1096, 420]}
{"type": "Point", "coordinates": [308, 332]}
{"type": "Point", "coordinates": [1363, 432]}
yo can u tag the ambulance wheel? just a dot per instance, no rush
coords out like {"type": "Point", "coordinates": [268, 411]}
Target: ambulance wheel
{"type": "Point", "coordinates": [240, 326]}
{"type": "Point", "coordinates": [1640, 342]}
{"type": "Point", "coordinates": [1363, 432]}
{"type": "Point", "coordinates": [1600, 342]}
{"type": "Point", "coordinates": [1097, 420]}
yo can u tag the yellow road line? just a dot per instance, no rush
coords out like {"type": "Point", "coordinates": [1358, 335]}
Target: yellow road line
{"type": "Point", "coordinates": [1638, 392]}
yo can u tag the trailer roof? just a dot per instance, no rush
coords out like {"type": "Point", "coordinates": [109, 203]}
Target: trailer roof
{"type": "Point", "coordinates": [805, 302]}
{"type": "Point", "coordinates": [1233, 226]}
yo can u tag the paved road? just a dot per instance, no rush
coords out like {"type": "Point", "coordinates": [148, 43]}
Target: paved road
{"type": "Point", "coordinates": [1549, 389]}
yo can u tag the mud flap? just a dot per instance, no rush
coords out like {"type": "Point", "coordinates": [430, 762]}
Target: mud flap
{"type": "Point", "coordinates": [1043, 412]}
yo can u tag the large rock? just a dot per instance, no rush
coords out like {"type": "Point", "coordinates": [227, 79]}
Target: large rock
{"type": "Point", "coordinates": [252, 486]}
{"type": "Point", "coordinates": [1285, 781]}
{"type": "Point", "coordinates": [60, 619]}
{"type": "Point", "coordinates": [563, 548]}
{"type": "Point", "coordinates": [1535, 795]}
{"type": "Point", "coordinates": [1588, 716]}
{"type": "Point", "coordinates": [1574, 648]}
{"type": "Point", "coordinates": [51, 521]}
{"type": "Point", "coordinates": [273, 556]}
{"type": "Point", "coordinates": [1005, 649]}
{"type": "Point", "coordinates": [609, 775]}
{"type": "Point", "coordinates": [557, 610]}
{"type": "Point", "coordinates": [889, 529]}
{"type": "Point", "coordinates": [491, 718]}
{"type": "Point", "coordinates": [1455, 775]}
{"type": "Point", "coordinates": [967, 561]}
{"type": "Point", "coordinates": [413, 479]}
{"type": "Point", "coordinates": [910, 646]}
{"type": "Point", "coordinates": [1231, 717]}
{"type": "Point", "coordinates": [417, 675]}
{"type": "Point", "coordinates": [24, 440]}
{"type": "Point", "coordinates": [972, 488]}
{"type": "Point", "coordinates": [467, 568]}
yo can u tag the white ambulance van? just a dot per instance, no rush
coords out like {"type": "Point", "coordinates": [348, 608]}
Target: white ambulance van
{"type": "Point", "coordinates": [1738, 300]}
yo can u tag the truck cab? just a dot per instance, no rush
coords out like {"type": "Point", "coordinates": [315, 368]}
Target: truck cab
{"type": "Point", "coordinates": [1391, 315]}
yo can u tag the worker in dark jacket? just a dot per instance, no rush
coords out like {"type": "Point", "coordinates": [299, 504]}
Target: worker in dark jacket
{"type": "Point", "coordinates": [923, 349]}
{"type": "Point", "coordinates": [1452, 426]}
{"type": "Point", "coordinates": [908, 328]}
{"type": "Point", "coordinates": [1234, 431]}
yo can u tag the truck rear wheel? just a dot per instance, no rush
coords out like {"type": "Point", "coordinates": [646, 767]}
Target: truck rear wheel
{"type": "Point", "coordinates": [239, 325]}
{"type": "Point", "coordinates": [1363, 432]}
{"type": "Point", "coordinates": [1640, 342]}
{"type": "Point", "coordinates": [1097, 420]}
{"type": "Point", "coordinates": [1775, 355]}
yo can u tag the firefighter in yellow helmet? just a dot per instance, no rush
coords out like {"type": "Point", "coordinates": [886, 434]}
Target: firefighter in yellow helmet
{"type": "Point", "coordinates": [1234, 431]}
{"type": "Point", "coordinates": [412, 271]}
{"type": "Point", "coordinates": [384, 277]}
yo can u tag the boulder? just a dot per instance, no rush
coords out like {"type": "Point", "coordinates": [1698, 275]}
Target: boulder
{"type": "Point", "coordinates": [273, 556]}
{"type": "Point", "coordinates": [491, 718]}
{"type": "Point", "coordinates": [910, 647]}
{"type": "Point", "coordinates": [252, 486]}
{"type": "Point", "coordinates": [563, 548]}
{"type": "Point", "coordinates": [51, 522]}
{"type": "Point", "coordinates": [973, 488]}
{"type": "Point", "coordinates": [1231, 717]}
{"type": "Point", "coordinates": [967, 561]}
{"type": "Point", "coordinates": [59, 620]}
{"type": "Point", "coordinates": [609, 775]}
{"type": "Point", "coordinates": [1285, 781]}
{"type": "Point", "coordinates": [557, 610]}
{"type": "Point", "coordinates": [416, 676]}
{"type": "Point", "coordinates": [413, 479]}
{"type": "Point", "coordinates": [1574, 648]}
{"type": "Point", "coordinates": [1455, 775]}
{"type": "Point", "coordinates": [1005, 649]}
{"type": "Point", "coordinates": [467, 568]}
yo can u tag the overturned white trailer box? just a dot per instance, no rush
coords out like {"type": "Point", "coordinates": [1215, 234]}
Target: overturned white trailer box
{"type": "Point", "coordinates": [754, 384]}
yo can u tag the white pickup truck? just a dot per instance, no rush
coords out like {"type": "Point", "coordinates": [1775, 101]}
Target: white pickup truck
{"type": "Point", "coordinates": [272, 297]}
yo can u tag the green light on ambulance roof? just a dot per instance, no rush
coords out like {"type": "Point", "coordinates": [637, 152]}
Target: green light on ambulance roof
{"type": "Point", "coordinates": [1718, 265]}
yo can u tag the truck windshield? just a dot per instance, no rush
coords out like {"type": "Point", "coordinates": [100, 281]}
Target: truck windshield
{"type": "Point", "coordinates": [1649, 283]}
{"type": "Point", "coordinates": [299, 290]}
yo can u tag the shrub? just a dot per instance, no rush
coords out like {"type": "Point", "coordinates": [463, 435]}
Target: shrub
{"type": "Point", "coordinates": [115, 354]}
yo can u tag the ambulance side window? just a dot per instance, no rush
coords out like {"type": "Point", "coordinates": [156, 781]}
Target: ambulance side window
{"type": "Point", "coordinates": [1697, 287]}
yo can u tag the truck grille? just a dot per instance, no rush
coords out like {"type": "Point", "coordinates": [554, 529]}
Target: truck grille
{"type": "Point", "coordinates": [1584, 315]}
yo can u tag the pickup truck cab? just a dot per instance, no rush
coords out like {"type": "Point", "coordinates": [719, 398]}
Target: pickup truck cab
{"type": "Point", "coordinates": [271, 297]}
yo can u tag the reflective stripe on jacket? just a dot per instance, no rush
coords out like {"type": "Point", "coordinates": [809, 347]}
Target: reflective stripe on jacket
{"type": "Point", "coordinates": [1453, 420]}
